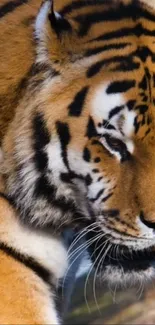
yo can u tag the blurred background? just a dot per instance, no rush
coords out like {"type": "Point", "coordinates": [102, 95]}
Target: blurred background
{"type": "Point", "coordinates": [87, 303]}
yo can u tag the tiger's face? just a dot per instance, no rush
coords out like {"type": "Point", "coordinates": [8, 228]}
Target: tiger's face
{"type": "Point", "coordinates": [84, 152]}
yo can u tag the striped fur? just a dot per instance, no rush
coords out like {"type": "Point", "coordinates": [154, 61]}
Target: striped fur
{"type": "Point", "coordinates": [31, 264]}
{"type": "Point", "coordinates": [80, 145]}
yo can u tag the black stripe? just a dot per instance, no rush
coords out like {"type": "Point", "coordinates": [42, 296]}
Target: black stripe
{"type": "Point", "coordinates": [100, 178]}
{"type": "Point", "coordinates": [142, 108]}
{"type": "Point", "coordinates": [95, 170]}
{"type": "Point", "coordinates": [88, 180]}
{"type": "Point", "coordinates": [97, 196]}
{"type": "Point", "coordinates": [144, 52]}
{"type": "Point", "coordinates": [95, 68]}
{"type": "Point", "coordinates": [75, 108]}
{"type": "Point", "coordinates": [47, 191]}
{"type": "Point", "coordinates": [122, 12]}
{"type": "Point", "coordinates": [44, 189]}
{"type": "Point", "coordinates": [149, 77]}
{"type": "Point", "coordinates": [104, 48]}
{"type": "Point", "coordinates": [87, 20]}
{"type": "Point", "coordinates": [11, 6]}
{"type": "Point", "coordinates": [138, 31]}
{"type": "Point", "coordinates": [131, 104]}
{"type": "Point", "coordinates": [115, 111]}
{"type": "Point", "coordinates": [120, 86]}
{"type": "Point", "coordinates": [143, 84]}
{"type": "Point", "coordinates": [127, 65]}
{"type": "Point", "coordinates": [29, 262]}
{"type": "Point", "coordinates": [64, 137]}
{"type": "Point", "coordinates": [86, 154]}
{"type": "Point", "coordinates": [110, 213]}
{"type": "Point", "coordinates": [147, 15]}
{"type": "Point", "coordinates": [41, 138]}
{"type": "Point", "coordinates": [107, 197]}
{"type": "Point", "coordinates": [127, 31]}
{"type": "Point", "coordinates": [125, 11]}
{"type": "Point", "coordinates": [76, 5]}
{"type": "Point", "coordinates": [91, 129]}
{"type": "Point", "coordinates": [66, 178]}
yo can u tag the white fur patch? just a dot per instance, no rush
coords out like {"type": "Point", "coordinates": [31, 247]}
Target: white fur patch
{"type": "Point", "coordinates": [44, 248]}
{"type": "Point", "coordinates": [55, 161]}
{"type": "Point", "coordinates": [50, 314]}
{"type": "Point", "coordinates": [41, 19]}
{"type": "Point", "coordinates": [103, 103]}
{"type": "Point", "coordinates": [117, 276]}
{"type": "Point", "coordinates": [130, 146]}
{"type": "Point", "coordinates": [145, 231]}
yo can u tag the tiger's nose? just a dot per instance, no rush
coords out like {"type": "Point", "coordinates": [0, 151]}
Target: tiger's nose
{"type": "Point", "coordinates": [147, 223]}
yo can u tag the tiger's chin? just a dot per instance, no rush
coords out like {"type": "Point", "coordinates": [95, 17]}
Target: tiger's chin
{"type": "Point", "coordinates": [122, 265]}
{"type": "Point", "coordinates": [115, 275]}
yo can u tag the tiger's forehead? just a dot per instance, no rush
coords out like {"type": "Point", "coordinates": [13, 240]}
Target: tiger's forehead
{"type": "Point", "coordinates": [110, 111]}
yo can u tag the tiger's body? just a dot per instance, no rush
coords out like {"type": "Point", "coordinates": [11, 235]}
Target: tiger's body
{"type": "Point", "coordinates": [29, 270]}
{"type": "Point", "coordinates": [77, 124]}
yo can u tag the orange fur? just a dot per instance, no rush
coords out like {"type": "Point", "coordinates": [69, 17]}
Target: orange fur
{"type": "Point", "coordinates": [71, 56]}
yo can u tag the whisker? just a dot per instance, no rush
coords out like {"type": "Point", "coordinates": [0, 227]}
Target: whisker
{"type": "Point", "coordinates": [95, 275]}
{"type": "Point", "coordinates": [81, 246]}
{"type": "Point", "coordinates": [141, 289]}
{"type": "Point", "coordinates": [91, 268]}
{"type": "Point", "coordinates": [78, 237]}
{"type": "Point", "coordinates": [65, 276]}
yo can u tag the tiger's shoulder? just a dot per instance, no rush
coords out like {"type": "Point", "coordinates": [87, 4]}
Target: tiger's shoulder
{"type": "Point", "coordinates": [29, 270]}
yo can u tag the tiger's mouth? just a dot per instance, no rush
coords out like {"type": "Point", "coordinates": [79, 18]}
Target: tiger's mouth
{"type": "Point", "coordinates": [118, 262]}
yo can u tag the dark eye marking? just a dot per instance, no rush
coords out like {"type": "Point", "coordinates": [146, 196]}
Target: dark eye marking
{"type": "Point", "coordinates": [117, 145]}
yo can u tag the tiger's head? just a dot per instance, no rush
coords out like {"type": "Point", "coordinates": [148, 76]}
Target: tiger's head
{"type": "Point", "coordinates": [80, 149]}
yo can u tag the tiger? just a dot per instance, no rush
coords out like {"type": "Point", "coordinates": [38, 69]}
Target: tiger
{"type": "Point", "coordinates": [29, 270]}
{"type": "Point", "coordinates": [77, 125]}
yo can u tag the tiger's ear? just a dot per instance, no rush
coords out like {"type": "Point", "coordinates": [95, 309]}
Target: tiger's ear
{"type": "Point", "coordinates": [46, 18]}
{"type": "Point", "coordinates": [54, 35]}
{"type": "Point", "coordinates": [58, 23]}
